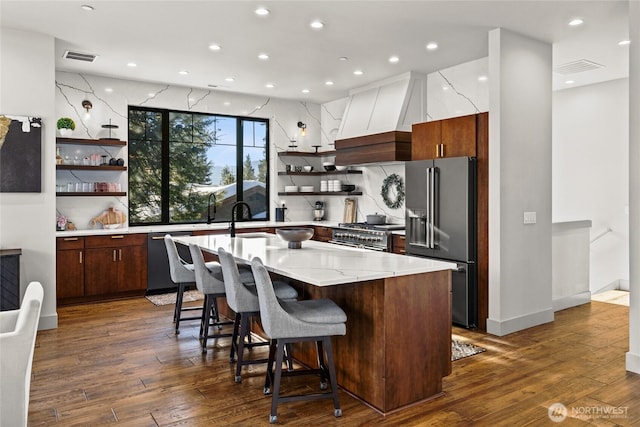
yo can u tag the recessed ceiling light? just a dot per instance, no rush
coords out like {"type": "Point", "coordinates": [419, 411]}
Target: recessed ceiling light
{"type": "Point", "coordinates": [317, 24]}
{"type": "Point", "coordinates": [262, 11]}
{"type": "Point", "coordinates": [305, 91]}
{"type": "Point", "coordinates": [87, 7]}
{"type": "Point", "coordinates": [343, 58]}
{"type": "Point", "coordinates": [108, 89]}
{"type": "Point", "coordinates": [358, 72]}
{"type": "Point", "coordinates": [229, 79]}
{"type": "Point", "coordinates": [132, 64]}
{"type": "Point", "coordinates": [328, 83]}
{"type": "Point", "coordinates": [263, 56]}
{"type": "Point", "coordinates": [483, 78]}
{"type": "Point", "coordinates": [624, 42]}
{"type": "Point", "coordinates": [445, 88]}
{"type": "Point", "coordinates": [215, 47]}
{"type": "Point", "coordinates": [432, 46]}
{"type": "Point", "coordinates": [183, 72]}
{"type": "Point", "coordinates": [569, 82]}
{"type": "Point", "coordinates": [226, 103]}
{"type": "Point", "coordinates": [394, 59]}
{"type": "Point", "coordinates": [575, 22]}
{"type": "Point", "coordinates": [269, 86]}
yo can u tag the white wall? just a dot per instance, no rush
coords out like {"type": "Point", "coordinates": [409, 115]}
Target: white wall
{"type": "Point", "coordinates": [27, 220]}
{"type": "Point", "coordinates": [591, 171]}
{"type": "Point", "coordinates": [520, 291]}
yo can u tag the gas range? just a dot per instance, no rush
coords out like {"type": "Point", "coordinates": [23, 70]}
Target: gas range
{"type": "Point", "coordinates": [362, 235]}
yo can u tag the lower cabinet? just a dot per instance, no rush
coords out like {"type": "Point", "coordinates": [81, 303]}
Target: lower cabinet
{"type": "Point", "coordinates": [322, 233]}
{"type": "Point", "coordinates": [100, 267]}
{"type": "Point", "coordinates": [397, 244]}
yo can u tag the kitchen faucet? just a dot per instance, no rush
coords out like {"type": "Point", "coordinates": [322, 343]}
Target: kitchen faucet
{"type": "Point", "coordinates": [209, 217]}
{"type": "Point", "coordinates": [232, 226]}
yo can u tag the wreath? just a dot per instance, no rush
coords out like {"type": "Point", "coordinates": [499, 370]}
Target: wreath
{"type": "Point", "coordinates": [393, 181]}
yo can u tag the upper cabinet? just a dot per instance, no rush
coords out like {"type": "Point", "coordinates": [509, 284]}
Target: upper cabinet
{"type": "Point", "coordinates": [453, 137]}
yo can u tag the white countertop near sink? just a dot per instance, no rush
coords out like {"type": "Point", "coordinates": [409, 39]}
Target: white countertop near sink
{"type": "Point", "coordinates": [317, 263]}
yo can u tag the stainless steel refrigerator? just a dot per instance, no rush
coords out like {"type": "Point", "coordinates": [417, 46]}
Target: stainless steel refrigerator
{"type": "Point", "coordinates": [441, 223]}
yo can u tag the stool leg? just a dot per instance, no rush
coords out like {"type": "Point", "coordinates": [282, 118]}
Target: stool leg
{"type": "Point", "coordinates": [268, 379]}
{"type": "Point", "coordinates": [178, 311]}
{"type": "Point", "coordinates": [273, 418]}
{"type": "Point", "coordinates": [244, 331]}
{"type": "Point", "coordinates": [337, 412]}
{"type": "Point", "coordinates": [322, 365]}
{"type": "Point", "coordinates": [206, 318]}
{"type": "Point", "coordinates": [289, 357]}
{"type": "Point", "coordinates": [234, 338]}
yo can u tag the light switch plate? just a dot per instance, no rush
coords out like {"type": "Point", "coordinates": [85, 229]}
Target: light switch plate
{"type": "Point", "coordinates": [529, 217]}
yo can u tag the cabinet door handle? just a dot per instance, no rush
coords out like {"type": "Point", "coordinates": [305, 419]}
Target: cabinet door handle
{"type": "Point", "coordinates": [80, 257]}
{"type": "Point", "coordinates": [157, 238]}
{"type": "Point", "coordinates": [114, 255]}
{"type": "Point", "coordinates": [437, 150]}
{"type": "Point", "coordinates": [119, 254]}
{"type": "Point", "coordinates": [117, 237]}
{"type": "Point", "coordinates": [70, 239]}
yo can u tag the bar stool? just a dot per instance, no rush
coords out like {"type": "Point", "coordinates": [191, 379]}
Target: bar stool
{"type": "Point", "coordinates": [242, 298]}
{"type": "Point", "coordinates": [286, 322]}
{"type": "Point", "coordinates": [183, 275]}
{"type": "Point", "coordinates": [209, 282]}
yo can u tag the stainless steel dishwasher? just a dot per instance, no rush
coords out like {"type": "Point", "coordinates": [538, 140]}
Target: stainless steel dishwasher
{"type": "Point", "coordinates": [158, 275]}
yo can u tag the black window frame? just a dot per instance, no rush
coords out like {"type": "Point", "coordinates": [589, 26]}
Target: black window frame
{"type": "Point", "coordinates": [165, 164]}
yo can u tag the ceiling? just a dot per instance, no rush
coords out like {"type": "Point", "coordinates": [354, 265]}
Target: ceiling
{"type": "Point", "coordinates": [165, 37]}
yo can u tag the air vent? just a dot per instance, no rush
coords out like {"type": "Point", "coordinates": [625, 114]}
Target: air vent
{"type": "Point", "coordinates": [578, 66]}
{"type": "Point", "coordinates": [79, 56]}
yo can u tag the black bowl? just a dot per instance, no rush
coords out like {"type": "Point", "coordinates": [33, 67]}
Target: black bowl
{"type": "Point", "coordinates": [348, 187]}
{"type": "Point", "coordinates": [329, 168]}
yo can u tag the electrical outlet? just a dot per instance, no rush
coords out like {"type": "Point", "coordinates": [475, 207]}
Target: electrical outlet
{"type": "Point", "coordinates": [529, 217]}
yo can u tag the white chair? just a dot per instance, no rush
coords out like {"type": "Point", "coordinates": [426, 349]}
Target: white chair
{"type": "Point", "coordinates": [18, 330]}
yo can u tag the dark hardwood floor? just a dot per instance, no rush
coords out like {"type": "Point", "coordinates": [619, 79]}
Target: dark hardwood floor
{"type": "Point", "coordinates": [120, 362]}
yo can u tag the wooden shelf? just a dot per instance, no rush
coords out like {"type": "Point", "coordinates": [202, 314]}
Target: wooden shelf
{"type": "Point", "coordinates": [355, 172]}
{"type": "Point", "coordinates": [91, 194]}
{"type": "Point", "coordinates": [84, 141]}
{"type": "Point", "coordinates": [91, 168]}
{"type": "Point", "coordinates": [307, 153]}
{"type": "Point", "coordinates": [321, 193]}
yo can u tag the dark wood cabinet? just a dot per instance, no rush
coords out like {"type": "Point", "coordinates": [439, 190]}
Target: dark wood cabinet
{"type": "Point", "coordinates": [115, 264]}
{"type": "Point", "coordinates": [322, 233]}
{"type": "Point", "coordinates": [453, 137]}
{"type": "Point", "coordinates": [97, 267]}
{"type": "Point", "coordinates": [397, 244]}
{"type": "Point", "coordinates": [69, 267]}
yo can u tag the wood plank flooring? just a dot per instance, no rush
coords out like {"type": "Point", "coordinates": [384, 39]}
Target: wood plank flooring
{"type": "Point", "coordinates": [120, 362]}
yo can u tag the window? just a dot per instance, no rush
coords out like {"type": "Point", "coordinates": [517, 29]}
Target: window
{"type": "Point", "coordinates": [183, 166]}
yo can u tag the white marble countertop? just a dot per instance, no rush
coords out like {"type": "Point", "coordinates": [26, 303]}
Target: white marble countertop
{"type": "Point", "coordinates": [316, 263]}
{"type": "Point", "coordinates": [199, 226]}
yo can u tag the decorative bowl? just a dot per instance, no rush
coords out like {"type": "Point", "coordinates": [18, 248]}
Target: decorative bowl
{"type": "Point", "coordinates": [341, 168]}
{"type": "Point", "coordinates": [348, 187]}
{"type": "Point", "coordinates": [294, 236]}
{"type": "Point", "coordinates": [329, 167]}
{"type": "Point", "coordinates": [307, 168]}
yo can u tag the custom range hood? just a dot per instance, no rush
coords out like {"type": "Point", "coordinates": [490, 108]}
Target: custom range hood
{"type": "Point", "coordinates": [376, 124]}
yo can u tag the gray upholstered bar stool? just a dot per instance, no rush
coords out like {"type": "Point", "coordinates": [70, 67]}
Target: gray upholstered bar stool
{"type": "Point", "coordinates": [208, 281]}
{"type": "Point", "coordinates": [183, 275]}
{"type": "Point", "coordinates": [286, 322]}
{"type": "Point", "coordinates": [242, 298]}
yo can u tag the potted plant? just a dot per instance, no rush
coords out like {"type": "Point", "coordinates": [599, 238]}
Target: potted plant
{"type": "Point", "coordinates": [66, 126]}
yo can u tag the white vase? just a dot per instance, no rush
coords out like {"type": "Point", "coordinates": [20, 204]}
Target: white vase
{"type": "Point", "coordinates": [65, 132]}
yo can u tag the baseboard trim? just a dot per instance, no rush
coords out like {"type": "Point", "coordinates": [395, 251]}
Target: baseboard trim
{"type": "Point", "coordinates": [633, 362]}
{"type": "Point", "coordinates": [515, 324]}
{"type": "Point", "coordinates": [571, 301]}
{"type": "Point", "coordinates": [48, 322]}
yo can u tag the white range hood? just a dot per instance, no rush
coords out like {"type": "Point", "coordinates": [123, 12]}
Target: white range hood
{"type": "Point", "coordinates": [393, 104]}
{"type": "Point", "coordinates": [376, 124]}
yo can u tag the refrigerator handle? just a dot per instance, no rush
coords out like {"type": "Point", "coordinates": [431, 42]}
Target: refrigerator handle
{"type": "Point", "coordinates": [427, 223]}
{"type": "Point", "coordinates": [432, 207]}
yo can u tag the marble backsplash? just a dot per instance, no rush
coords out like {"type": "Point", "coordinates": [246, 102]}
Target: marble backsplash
{"type": "Point", "coordinates": [452, 92]}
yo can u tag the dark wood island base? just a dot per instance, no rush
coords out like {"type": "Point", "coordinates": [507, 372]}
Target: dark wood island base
{"type": "Point", "coordinates": [398, 343]}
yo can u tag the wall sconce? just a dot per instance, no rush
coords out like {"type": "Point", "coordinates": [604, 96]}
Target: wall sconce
{"type": "Point", "coordinates": [303, 129]}
{"type": "Point", "coordinates": [87, 105]}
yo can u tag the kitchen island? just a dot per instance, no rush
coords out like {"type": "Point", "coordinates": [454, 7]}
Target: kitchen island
{"type": "Point", "coordinates": [398, 343]}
